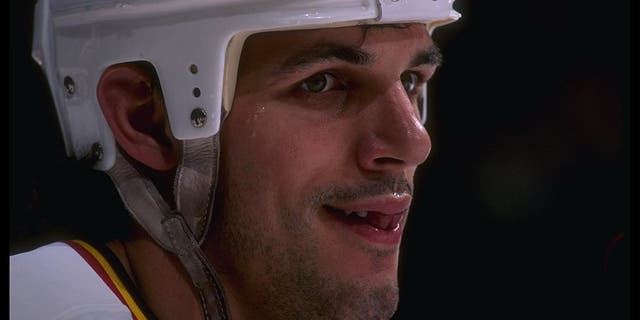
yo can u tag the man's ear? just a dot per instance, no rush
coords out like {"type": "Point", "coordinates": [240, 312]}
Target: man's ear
{"type": "Point", "coordinates": [135, 111]}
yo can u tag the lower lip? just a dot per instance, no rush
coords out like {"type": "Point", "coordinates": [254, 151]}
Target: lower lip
{"type": "Point", "coordinates": [368, 232]}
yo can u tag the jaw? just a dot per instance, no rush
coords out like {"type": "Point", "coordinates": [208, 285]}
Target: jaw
{"type": "Point", "coordinates": [325, 271]}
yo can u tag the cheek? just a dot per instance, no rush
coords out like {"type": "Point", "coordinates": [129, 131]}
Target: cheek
{"type": "Point", "coordinates": [280, 150]}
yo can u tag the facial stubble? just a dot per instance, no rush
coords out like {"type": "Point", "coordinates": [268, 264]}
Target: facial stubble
{"type": "Point", "coordinates": [293, 282]}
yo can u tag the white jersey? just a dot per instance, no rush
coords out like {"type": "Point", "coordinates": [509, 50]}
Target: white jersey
{"type": "Point", "coordinates": [71, 280]}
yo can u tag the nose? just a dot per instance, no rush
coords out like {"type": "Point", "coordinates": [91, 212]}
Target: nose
{"type": "Point", "coordinates": [395, 138]}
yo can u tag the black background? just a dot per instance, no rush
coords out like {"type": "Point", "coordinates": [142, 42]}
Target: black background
{"type": "Point", "coordinates": [529, 179]}
{"type": "Point", "coordinates": [524, 208]}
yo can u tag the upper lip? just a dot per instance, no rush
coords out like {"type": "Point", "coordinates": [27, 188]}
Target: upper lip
{"type": "Point", "coordinates": [390, 204]}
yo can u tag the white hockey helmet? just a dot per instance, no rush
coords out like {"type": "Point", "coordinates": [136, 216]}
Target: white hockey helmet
{"type": "Point", "coordinates": [194, 45]}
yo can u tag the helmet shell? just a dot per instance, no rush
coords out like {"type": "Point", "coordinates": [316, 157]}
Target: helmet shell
{"type": "Point", "coordinates": [194, 45]}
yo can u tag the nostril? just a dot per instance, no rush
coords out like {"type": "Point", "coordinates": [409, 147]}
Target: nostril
{"type": "Point", "coordinates": [387, 161]}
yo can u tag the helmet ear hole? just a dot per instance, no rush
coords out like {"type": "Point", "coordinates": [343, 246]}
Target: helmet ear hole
{"type": "Point", "coordinates": [134, 110]}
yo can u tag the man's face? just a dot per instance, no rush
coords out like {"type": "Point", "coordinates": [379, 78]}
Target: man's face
{"type": "Point", "coordinates": [317, 162]}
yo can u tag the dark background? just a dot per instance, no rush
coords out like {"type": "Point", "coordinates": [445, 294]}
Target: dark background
{"type": "Point", "coordinates": [529, 181]}
{"type": "Point", "coordinates": [524, 208]}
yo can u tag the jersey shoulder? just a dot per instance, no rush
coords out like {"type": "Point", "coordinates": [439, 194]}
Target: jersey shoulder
{"type": "Point", "coordinates": [55, 282]}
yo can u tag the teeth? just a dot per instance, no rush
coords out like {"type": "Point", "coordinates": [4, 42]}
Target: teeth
{"type": "Point", "coordinates": [361, 214]}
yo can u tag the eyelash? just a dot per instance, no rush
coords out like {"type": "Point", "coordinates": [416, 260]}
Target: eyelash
{"type": "Point", "coordinates": [420, 81]}
{"type": "Point", "coordinates": [336, 95]}
{"type": "Point", "coordinates": [335, 81]}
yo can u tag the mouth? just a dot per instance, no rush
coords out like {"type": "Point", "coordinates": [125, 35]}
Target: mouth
{"type": "Point", "coordinates": [378, 220]}
{"type": "Point", "coordinates": [374, 219]}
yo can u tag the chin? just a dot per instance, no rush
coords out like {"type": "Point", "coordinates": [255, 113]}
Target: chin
{"type": "Point", "coordinates": [380, 304]}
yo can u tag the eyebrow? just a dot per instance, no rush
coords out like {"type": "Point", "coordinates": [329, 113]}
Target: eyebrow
{"type": "Point", "coordinates": [349, 54]}
{"type": "Point", "coordinates": [431, 56]}
{"type": "Point", "coordinates": [323, 52]}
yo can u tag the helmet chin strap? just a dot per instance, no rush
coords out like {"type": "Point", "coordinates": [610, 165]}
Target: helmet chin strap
{"type": "Point", "coordinates": [180, 231]}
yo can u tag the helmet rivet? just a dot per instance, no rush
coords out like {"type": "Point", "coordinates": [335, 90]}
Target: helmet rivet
{"type": "Point", "coordinates": [69, 85]}
{"type": "Point", "coordinates": [193, 69]}
{"type": "Point", "coordinates": [96, 151]}
{"type": "Point", "coordinates": [198, 118]}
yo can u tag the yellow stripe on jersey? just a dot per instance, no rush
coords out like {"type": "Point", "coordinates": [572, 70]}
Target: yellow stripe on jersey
{"type": "Point", "coordinates": [133, 306]}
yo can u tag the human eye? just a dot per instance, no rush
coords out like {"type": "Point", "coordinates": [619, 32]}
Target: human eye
{"type": "Point", "coordinates": [411, 80]}
{"type": "Point", "coordinates": [318, 83]}
{"type": "Point", "coordinates": [324, 90]}
{"type": "Point", "coordinates": [414, 84]}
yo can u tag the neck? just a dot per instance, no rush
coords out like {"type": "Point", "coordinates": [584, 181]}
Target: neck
{"type": "Point", "coordinates": [159, 277]}
{"type": "Point", "coordinates": [237, 294]}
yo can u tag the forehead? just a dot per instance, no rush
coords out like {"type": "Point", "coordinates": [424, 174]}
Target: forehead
{"type": "Point", "coordinates": [275, 47]}
{"type": "Point", "coordinates": [347, 35]}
